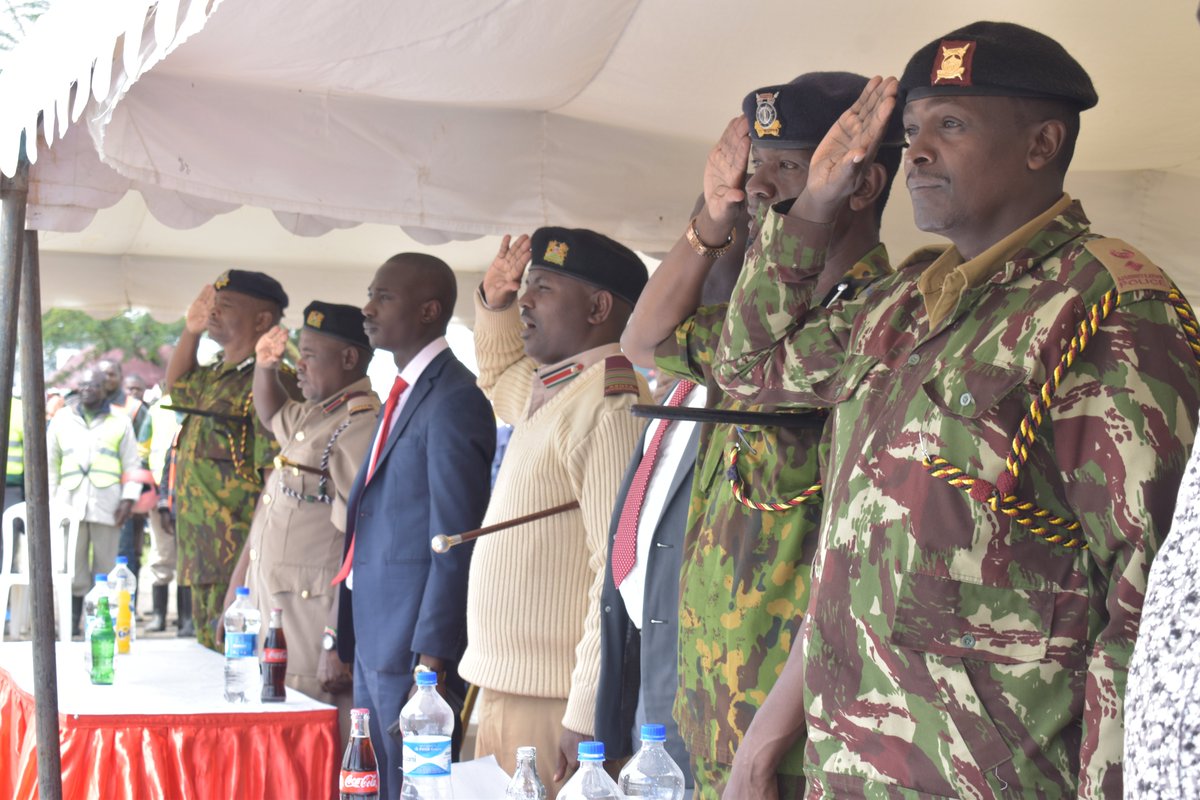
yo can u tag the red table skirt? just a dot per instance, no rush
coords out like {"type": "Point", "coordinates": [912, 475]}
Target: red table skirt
{"type": "Point", "coordinates": [287, 755]}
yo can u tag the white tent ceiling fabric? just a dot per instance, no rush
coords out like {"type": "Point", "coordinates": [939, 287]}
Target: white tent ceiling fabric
{"type": "Point", "coordinates": [448, 121]}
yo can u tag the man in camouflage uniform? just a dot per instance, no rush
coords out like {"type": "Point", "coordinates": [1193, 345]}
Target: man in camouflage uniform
{"type": "Point", "coordinates": [1029, 394]}
{"type": "Point", "coordinates": [223, 449]}
{"type": "Point", "coordinates": [746, 565]}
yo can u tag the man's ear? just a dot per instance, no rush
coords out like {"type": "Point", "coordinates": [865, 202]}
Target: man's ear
{"type": "Point", "coordinates": [431, 311]}
{"type": "Point", "coordinates": [601, 307]}
{"type": "Point", "coordinates": [1046, 144]}
{"type": "Point", "coordinates": [874, 178]}
{"type": "Point", "coordinates": [263, 321]}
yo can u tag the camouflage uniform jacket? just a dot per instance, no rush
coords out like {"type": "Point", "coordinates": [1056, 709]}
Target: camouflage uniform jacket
{"type": "Point", "coordinates": [949, 652]}
{"type": "Point", "coordinates": [219, 464]}
{"type": "Point", "coordinates": [744, 585]}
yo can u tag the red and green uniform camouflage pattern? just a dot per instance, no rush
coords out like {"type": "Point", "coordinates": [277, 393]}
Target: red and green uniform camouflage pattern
{"type": "Point", "coordinates": [745, 579]}
{"type": "Point", "coordinates": [219, 469]}
{"type": "Point", "coordinates": [948, 651]}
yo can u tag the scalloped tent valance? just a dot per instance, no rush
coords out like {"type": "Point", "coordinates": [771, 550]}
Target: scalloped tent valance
{"type": "Point", "coordinates": [463, 118]}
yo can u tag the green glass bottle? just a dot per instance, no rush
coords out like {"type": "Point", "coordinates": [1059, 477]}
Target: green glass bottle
{"type": "Point", "coordinates": [103, 644]}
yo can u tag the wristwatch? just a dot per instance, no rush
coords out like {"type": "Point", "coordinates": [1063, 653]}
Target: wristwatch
{"type": "Point", "coordinates": [329, 640]}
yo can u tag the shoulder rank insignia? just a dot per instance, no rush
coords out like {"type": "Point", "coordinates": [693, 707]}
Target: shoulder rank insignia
{"type": "Point", "coordinates": [1129, 267]}
{"type": "Point", "coordinates": [333, 404]}
{"type": "Point", "coordinates": [560, 375]}
{"type": "Point", "coordinates": [619, 376]}
{"type": "Point", "coordinates": [363, 409]}
{"type": "Point", "coordinates": [766, 117]}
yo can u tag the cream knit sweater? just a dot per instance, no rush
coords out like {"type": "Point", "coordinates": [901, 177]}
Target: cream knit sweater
{"type": "Point", "coordinates": [533, 599]}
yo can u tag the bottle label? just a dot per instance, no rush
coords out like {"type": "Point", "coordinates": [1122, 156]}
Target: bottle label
{"type": "Point", "coordinates": [239, 645]}
{"type": "Point", "coordinates": [274, 655]}
{"type": "Point", "coordinates": [354, 782]}
{"type": "Point", "coordinates": [427, 755]}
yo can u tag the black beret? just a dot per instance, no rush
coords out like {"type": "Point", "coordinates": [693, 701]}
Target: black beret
{"type": "Point", "coordinates": [254, 284]}
{"type": "Point", "coordinates": [797, 115]}
{"type": "Point", "coordinates": [999, 59]}
{"type": "Point", "coordinates": [339, 321]}
{"type": "Point", "coordinates": [590, 257]}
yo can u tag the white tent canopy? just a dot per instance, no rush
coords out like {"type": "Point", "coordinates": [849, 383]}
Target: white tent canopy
{"type": "Point", "coordinates": [465, 118]}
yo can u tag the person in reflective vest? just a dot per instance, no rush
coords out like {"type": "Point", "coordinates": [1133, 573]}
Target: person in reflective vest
{"type": "Point", "coordinates": [14, 475]}
{"type": "Point", "coordinates": [89, 448]}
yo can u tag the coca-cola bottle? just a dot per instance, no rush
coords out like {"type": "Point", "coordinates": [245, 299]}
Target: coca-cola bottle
{"type": "Point", "coordinates": [274, 660]}
{"type": "Point", "coordinates": [360, 773]}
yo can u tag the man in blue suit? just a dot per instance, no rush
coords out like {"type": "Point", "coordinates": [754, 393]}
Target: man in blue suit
{"type": "Point", "coordinates": [427, 472]}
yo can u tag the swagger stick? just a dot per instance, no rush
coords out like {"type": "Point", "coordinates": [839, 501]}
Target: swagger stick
{"type": "Point", "coordinates": [442, 543]}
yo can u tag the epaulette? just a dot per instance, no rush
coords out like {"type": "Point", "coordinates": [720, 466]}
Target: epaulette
{"type": "Point", "coordinates": [1129, 267]}
{"type": "Point", "coordinates": [333, 404]}
{"type": "Point", "coordinates": [619, 376]}
{"type": "Point", "coordinates": [363, 409]}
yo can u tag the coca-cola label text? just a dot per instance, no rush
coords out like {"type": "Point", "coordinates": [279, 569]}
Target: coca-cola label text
{"type": "Point", "coordinates": [274, 655]}
{"type": "Point", "coordinates": [354, 782]}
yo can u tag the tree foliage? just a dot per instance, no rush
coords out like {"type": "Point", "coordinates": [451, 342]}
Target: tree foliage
{"type": "Point", "coordinates": [16, 17]}
{"type": "Point", "coordinates": [136, 334]}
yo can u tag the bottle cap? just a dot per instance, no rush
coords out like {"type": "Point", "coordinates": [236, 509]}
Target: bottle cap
{"type": "Point", "coordinates": [652, 732]}
{"type": "Point", "coordinates": [276, 610]}
{"type": "Point", "coordinates": [591, 751]}
{"type": "Point", "coordinates": [122, 559]}
{"type": "Point", "coordinates": [242, 591]}
{"type": "Point", "coordinates": [426, 678]}
{"type": "Point", "coordinates": [101, 577]}
{"type": "Point", "coordinates": [529, 751]}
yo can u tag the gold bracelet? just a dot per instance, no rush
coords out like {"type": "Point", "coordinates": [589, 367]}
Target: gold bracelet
{"type": "Point", "coordinates": [702, 249]}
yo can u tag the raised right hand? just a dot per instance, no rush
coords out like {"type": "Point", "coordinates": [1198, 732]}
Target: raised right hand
{"type": "Point", "coordinates": [725, 174]}
{"type": "Point", "coordinates": [502, 280]}
{"type": "Point", "coordinates": [196, 321]}
{"type": "Point", "coordinates": [269, 350]}
{"type": "Point", "coordinates": [849, 146]}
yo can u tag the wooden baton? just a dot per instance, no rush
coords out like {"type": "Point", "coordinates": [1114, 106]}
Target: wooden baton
{"type": "Point", "coordinates": [442, 543]}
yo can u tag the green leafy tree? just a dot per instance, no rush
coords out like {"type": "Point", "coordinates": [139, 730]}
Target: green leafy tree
{"type": "Point", "coordinates": [16, 17]}
{"type": "Point", "coordinates": [135, 334]}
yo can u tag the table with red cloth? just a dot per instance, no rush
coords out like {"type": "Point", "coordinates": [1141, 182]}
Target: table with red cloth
{"type": "Point", "coordinates": [163, 730]}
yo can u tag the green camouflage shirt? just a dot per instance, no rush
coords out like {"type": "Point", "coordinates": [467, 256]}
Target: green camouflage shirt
{"type": "Point", "coordinates": [948, 651]}
{"type": "Point", "coordinates": [745, 578]}
{"type": "Point", "coordinates": [219, 465]}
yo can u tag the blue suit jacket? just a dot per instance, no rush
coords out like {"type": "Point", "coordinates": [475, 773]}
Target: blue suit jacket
{"type": "Point", "coordinates": [433, 477]}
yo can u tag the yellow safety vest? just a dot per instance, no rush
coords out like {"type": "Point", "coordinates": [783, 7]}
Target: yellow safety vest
{"type": "Point", "coordinates": [105, 468]}
{"type": "Point", "coordinates": [16, 441]}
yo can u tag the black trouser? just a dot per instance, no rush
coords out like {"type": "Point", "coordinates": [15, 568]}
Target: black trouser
{"type": "Point", "coordinates": [133, 537]}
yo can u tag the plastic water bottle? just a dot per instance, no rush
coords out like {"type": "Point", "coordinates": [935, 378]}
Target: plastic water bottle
{"type": "Point", "coordinates": [590, 782]}
{"type": "Point", "coordinates": [652, 772]}
{"type": "Point", "coordinates": [525, 783]}
{"type": "Point", "coordinates": [122, 588]}
{"type": "Point", "coordinates": [90, 607]}
{"type": "Point", "coordinates": [242, 622]}
{"type": "Point", "coordinates": [426, 722]}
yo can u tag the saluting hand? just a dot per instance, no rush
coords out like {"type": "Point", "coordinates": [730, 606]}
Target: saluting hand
{"type": "Point", "coordinates": [725, 174]}
{"type": "Point", "coordinates": [197, 314]}
{"type": "Point", "coordinates": [502, 280]}
{"type": "Point", "coordinates": [837, 163]}
{"type": "Point", "coordinates": [268, 352]}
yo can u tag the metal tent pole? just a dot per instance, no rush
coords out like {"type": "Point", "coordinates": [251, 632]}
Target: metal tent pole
{"type": "Point", "coordinates": [12, 223]}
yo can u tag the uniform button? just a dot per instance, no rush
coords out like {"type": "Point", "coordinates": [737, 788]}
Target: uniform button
{"type": "Point", "coordinates": [967, 641]}
{"type": "Point", "coordinates": [913, 360]}
{"type": "Point", "coordinates": [966, 399]}
{"type": "Point", "coordinates": [299, 436]}
{"type": "Point", "coordinates": [266, 499]}
{"type": "Point", "coordinates": [304, 593]}
{"type": "Point", "coordinates": [607, 609]}
{"type": "Point", "coordinates": [253, 554]}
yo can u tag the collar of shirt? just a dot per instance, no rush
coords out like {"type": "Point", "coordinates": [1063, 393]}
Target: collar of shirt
{"type": "Point", "coordinates": [549, 379]}
{"type": "Point", "coordinates": [417, 364]}
{"type": "Point", "coordinates": [943, 283]}
{"type": "Point", "coordinates": [221, 365]}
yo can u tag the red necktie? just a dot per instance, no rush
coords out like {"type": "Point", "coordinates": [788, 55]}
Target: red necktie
{"type": "Point", "coordinates": [385, 426]}
{"type": "Point", "coordinates": [625, 544]}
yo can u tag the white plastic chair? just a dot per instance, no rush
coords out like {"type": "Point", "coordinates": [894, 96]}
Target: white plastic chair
{"type": "Point", "coordinates": [64, 539]}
